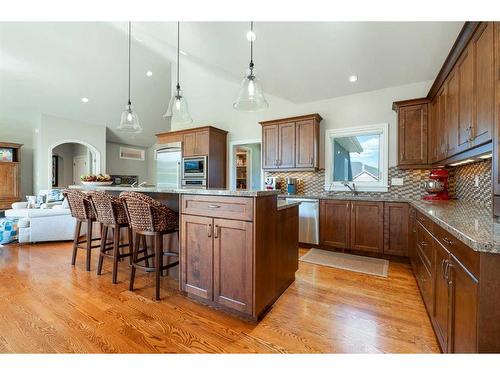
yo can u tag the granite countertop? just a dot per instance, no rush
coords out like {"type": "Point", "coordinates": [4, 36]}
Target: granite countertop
{"type": "Point", "coordinates": [155, 189]}
{"type": "Point", "coordinates": [282, 205]}
{"type": "Point", "coordinates": [342, 196]}
{"type": "Point", "coordinates": [469, 222]}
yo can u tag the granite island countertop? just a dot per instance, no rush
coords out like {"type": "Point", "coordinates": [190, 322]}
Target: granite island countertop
{"type": "Point", "coordinates": [156, 189]}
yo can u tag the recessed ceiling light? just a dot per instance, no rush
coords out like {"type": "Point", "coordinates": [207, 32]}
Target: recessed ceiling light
{"type": "Point", "coordinates": [183, 52]}
{"type": "Point", "coordinates": [149, 73]}
{"type": "Point", "coordinates": [85, 100]}
{"type": "Point", "coordinates": [353, 78]}
{"type": "Point", "coordinates": [251, 36]}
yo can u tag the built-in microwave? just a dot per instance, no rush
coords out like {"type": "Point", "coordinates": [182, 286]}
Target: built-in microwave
{"type": "Point", "coordinates": [194, 167]}
{"type": "Point", "coordinates": [194, 184]}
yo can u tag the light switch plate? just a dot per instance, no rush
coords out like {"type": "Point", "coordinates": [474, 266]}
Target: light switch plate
{"type": "Point", "coordinates": [397, 181]}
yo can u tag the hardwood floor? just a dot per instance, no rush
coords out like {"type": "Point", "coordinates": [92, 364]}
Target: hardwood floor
{"type": "Point", "coordinates": [47, 306]}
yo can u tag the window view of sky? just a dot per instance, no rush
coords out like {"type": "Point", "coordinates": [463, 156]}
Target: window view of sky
{"type": "Point", "coordinates": [370, 155]}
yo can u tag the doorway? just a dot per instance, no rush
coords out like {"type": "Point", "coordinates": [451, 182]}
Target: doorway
{"type": "Point", "coordinates": [245, 165]}
{"type": "Point", "coordinates": [70, 161]}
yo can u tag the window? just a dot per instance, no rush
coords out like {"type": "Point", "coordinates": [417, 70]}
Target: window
{"type": "Point", "coordinates": [357, 155]}
{"type": "Point", "coordinates": [132, 153]}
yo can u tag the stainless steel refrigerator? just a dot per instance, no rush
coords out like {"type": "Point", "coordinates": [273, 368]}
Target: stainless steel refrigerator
{"type": "Point", "coordinates": [168, 166]}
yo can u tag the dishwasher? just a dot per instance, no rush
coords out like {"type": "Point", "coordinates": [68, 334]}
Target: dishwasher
{"type": "Point", "coordinates": [308, 219]}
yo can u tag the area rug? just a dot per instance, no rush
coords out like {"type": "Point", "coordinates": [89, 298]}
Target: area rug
{"type": "Point", "coordinates": [350, 262]}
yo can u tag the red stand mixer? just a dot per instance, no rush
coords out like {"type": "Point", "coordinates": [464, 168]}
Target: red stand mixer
{"type": "Point", "coordinates": [437, 186]}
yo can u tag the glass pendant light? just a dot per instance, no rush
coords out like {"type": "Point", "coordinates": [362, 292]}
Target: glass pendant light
{"type": "Point", "coordinates": [129, 121]}
{"type": "Point", "coordinates": [178, 108]}
{"type": "Point", "coordinates": [251, 95]}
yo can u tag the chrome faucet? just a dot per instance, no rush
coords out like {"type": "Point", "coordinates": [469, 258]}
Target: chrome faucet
{"type": "Point", "coordinates": [143, 183]}
{"type": "Point", "coordinates": [351, 188]}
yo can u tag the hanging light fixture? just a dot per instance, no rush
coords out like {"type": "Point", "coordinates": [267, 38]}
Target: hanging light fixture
{"type": "Point", "coordinates": [251, 95]}
{"type": "Point", "coordinates": [178, 108]}
{"type": "Point", "coordinates": [129, 121]}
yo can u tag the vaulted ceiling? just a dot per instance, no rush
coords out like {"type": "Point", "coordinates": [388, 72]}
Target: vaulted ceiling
{"type": "Point", "coordinates": [49, 67]}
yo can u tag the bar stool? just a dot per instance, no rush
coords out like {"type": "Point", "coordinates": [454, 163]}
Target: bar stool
{"type": "Point", "coordinates": [81, 209]}
{"type": "Point", "coordinates": [110, 212]}
{"type": "Point", "coordinates": [150, 218]}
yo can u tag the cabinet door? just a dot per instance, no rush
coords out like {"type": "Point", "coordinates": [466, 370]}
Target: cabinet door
{"type": "Point", "coordinates": [202, 142]}
{"type": "Point", "coordinates": [442, 296]}
{"type": "Point", "coordinates": [367, 226]}
{"type": "Point", "coordinates": [441, 124]}
{"type": "Point", "coordinates": [484, 84]}
{"type": "Point", "coordinates": [197, 256]}
{"type": "Point", "coordinates": [189, 144]}
{"type": "Point", "coordinates": [307, 144]}
{"type": "Point", "coordinates": [233, 264]}
{"type": "Point", "coordinates": [286, 158]}
{"type": "Point", "coordinates": [270, 146]}
{"type": "Point", "coordinates": [412, 237]}
{"type": "Point", "coordinates": [9, 188]}
{"type": "Point", "coordinates": [452, 126]}
{"type": "Point", "coordinates": [464, 289]}
{"type": "Point", "coordinates": [465, 98]}
{"type": "Point", "coordinates": [334, 223]}
{"type": "Point", "coordinates": [433, 128]}
{"type": "Point", "coordinates": [396, 229]}
{"type": "Point", "coordinates": [412, 134]}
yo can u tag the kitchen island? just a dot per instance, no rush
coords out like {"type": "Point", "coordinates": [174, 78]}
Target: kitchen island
{"type": "Point", "coordinates": [238, 250]}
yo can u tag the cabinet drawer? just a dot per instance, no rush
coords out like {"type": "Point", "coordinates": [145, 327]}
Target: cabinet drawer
{"type": "Point", "coordinates": [468, 257]}
{"type": "Point", "coordinates": [424, 280]}
{"type": "Point", "coordinates": [425, 221]}
{"type": "Point", "coordinates": [424, 244]}
{"type": "Point", "coordinates": [221, 207]}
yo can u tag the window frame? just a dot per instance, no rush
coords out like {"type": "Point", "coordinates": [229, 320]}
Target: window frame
{"type": "Point", "coordinates": [364, 186]}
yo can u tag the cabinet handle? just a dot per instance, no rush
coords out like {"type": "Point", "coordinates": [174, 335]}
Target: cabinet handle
{"type": "Point", "coordinates": [448, 241]}
{"type": "Point", "coordinates": [209, 230]}
{"type": "Point", "coordinates": [423, 243]}
{"type": "Point", "coordinates": [213, 206]}
{"type": "Point", "coordinates": [216, 231]}
{"type": "Point", "coordinates": [443, 262]}
{"type": "Point", "coordinates": [448, 265]}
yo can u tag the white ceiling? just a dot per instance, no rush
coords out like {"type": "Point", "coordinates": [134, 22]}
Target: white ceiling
{"type": "Point", "coordinates": [48, 67]}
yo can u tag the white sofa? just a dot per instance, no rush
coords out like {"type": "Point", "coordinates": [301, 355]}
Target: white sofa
{"type": "Point", "coordinates": [42, 224]}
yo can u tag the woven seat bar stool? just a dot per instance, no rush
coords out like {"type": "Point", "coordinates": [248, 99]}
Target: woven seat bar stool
{"type": "Point", "coordinates": [110, 212]}
{"type": "Point", "coordinates": [81, 209]}
{"type": "Point", "coordinates": [150, 218]}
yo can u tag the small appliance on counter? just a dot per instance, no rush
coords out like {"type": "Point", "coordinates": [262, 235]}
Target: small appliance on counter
{"type": "Point", "coordinates": [291, 186]}
{"type": "Point", "coordinates": [437, 185]}
{"type": "Point", "coordinates": [271, 183]}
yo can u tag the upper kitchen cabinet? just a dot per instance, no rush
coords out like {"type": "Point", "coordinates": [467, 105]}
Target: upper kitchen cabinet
{"type": "Point", "coordinates": [291, 143]}
{"type": "Point", "coordinates": [412, 132]}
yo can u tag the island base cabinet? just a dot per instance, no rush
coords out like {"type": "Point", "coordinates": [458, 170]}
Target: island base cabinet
{"type": "Point", "coordinates": [233, 264]}
{"type": "Point", "coordinates": [197, 256]}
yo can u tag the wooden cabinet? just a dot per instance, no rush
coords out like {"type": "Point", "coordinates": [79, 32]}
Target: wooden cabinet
{"type": "Point", "coordinates": [463, 308]}
{"type": "Point", "coordinates": [335, 220]}
{"type": "Point", "coordinates": [440, 131]}
{"type": "Point", "coordinates": [10, 175]}
{"type": "Point", "coordinates": [441, 312]}
{"type": "Point", "coordinates": [433, 129]}
{"type": "Point", "coordinates": [291, 143]}
{"type": "Point", "coordinates": [306, 148]}
{"type": "Point", "coordinates": [465, 68]}
{"type": "Point", "coordinates": [233, 259]}
{"type": "Point", "coordinates": [197, 256]}
{"type": "Point", "coordinates": [396, 228]}
{"type": "Point", "coordinates": [412, 236]}
{"type": "Point", "coordinates": [484, 84]}
{"type": "Point", "coordinates": [367, 226]}
{"type": "Point", "coordinates": [451, 125]}
{"type": "Point", "coordinates": [203, 141]}
{"type": "Point", "coordinates": [412, 132]}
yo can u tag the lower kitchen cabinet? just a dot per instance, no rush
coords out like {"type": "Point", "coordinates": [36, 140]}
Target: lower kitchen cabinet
{"type": "Point", "coordinates": [441, 311]}
{"type": "Point", "coordinates": [412, 236]}
{"type": "Point", "coordinates": [367, 226]}
{"type": "Point", "coordinates": [233, 264]}
{"type": "Point", "coordinates": [396, 228]}
{"type": "Point", "coordinates": [464, 306]}
{"type": "Point", "coordinates": [335, 220]}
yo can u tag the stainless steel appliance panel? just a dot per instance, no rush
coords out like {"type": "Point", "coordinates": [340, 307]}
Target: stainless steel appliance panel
{"type": "Point", "coordinates": [168, 166]}
{"type": "Point", "coordinates": [308, 220]}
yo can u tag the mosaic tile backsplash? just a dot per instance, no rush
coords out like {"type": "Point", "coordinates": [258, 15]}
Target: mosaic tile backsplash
{"type": "Point", "coordinates": [461, 182]}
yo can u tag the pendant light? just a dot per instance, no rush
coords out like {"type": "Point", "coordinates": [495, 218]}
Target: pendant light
{"type": "Point", "coordinates": [129, 121]}
{"type": "Point", "coordinates": [178, 108]}
{"type": "Point", "coordinates": [251, 95]}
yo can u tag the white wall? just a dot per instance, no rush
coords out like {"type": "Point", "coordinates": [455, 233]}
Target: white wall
{"type": "Point", "coordinates": [210, 99]}
{"type": "Point", "coordinates": [115, 165]}
{"type": "Point", "coordinates": [54, 130]}
{"type": "Point", "coordinates": [16, 132]}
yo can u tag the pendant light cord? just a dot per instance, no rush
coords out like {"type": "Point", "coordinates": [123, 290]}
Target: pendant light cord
{"type": "Point", "coordinates": [251, 45]}
{"type": "Point", "coordinates": [178, 50]}
{"type": "Point", "coordinates": [129, 45]}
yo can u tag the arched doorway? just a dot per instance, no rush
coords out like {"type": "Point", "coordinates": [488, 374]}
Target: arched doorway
{"type": "Point", "coordinates": [68, 159]}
